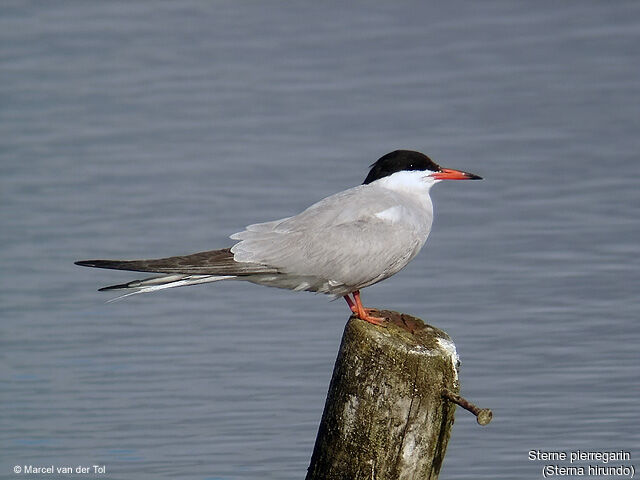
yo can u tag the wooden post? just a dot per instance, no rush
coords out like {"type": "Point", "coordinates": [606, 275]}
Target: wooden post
{"type": "Point", "coordinates": [385, 417]}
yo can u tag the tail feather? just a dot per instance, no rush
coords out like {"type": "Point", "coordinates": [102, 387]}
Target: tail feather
{"type": "Point", "coordinates": [161, 280]}
{"type": "Point", "coordinates": [153, 284]}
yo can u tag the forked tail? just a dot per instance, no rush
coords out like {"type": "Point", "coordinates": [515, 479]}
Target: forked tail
{"type": "Point", "coordinates": [153, 284]}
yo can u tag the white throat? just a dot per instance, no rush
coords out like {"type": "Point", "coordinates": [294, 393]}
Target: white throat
{"type": "Point", "coordinates": [413, 186]}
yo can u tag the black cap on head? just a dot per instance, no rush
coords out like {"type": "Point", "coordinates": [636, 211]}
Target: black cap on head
{"type": "Point", "coordinates": [398, 161]}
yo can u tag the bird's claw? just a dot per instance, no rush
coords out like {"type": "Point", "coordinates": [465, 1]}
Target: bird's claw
{"type": "Point", "coordinates": [380, 321]}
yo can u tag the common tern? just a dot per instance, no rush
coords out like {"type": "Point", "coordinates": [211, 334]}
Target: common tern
{"type": "Point", "coordinates": [337, 246]}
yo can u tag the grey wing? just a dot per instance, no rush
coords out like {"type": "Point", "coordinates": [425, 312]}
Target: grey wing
{"type": "Point", "coordinates": [359, 253]}
{"type": "Point", "coordinates": [213, 262]}
{"type": "Point", "coordinates": [340, 239]}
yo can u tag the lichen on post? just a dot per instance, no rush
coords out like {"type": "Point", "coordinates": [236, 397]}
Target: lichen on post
{"type": "Point", "coordinates": [385, 416]}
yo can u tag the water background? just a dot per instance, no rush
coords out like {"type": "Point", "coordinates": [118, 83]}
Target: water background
{"type": "Point", "coordinates": [150, 129]}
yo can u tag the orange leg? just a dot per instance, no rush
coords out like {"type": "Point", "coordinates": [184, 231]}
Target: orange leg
{"type": "Point", "coordinates": [361, 312]}
{"type": "Point", "coordinates": [352, 304]}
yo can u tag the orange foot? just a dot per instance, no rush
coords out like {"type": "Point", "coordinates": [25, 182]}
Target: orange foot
{"type": "Point", "coordinates": [362, 313]}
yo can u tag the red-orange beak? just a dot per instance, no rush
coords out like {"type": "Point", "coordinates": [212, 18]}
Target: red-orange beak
{"type": "Point", "coordinates": [449, 174]}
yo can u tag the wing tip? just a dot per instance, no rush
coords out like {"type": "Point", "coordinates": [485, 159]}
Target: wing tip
{"type": "Point", "coordinates": [92, 263]}
{"type": "Point", "coordinates": [111, 264]}
{"type": "Point", "coordinates": [84, 263]}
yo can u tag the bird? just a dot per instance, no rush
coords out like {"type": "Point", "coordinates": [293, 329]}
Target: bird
{"type": "Point", "coordinates": [338, 246]}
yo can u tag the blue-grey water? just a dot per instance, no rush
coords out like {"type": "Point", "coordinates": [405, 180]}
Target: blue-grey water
{"type": "Point", "coordinates": [148, 129]}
